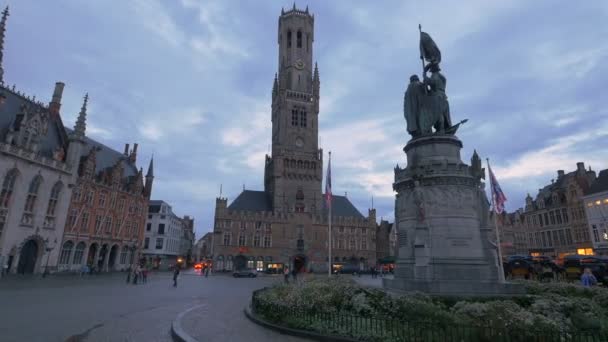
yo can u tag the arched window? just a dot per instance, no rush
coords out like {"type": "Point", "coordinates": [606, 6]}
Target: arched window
{"type": "Point", "coordinates": [50, 211]}
{"type": "Point", "coordinates": [7, 188]}
{"type": "Point", "coordinates": [306, 164]}
{"type": "Point", "coordinates": [299, 38]}
{"type": "Point", "coordinates": [32, 194]}
{"type": "Point", "coordinates": [66, 251]}
{"type": "Point", "coordinates": [123, 255]}
{"type": "Point", "coordinates": [299, 164]}
{"type": "Point", "coordinates": [78, 253]}
{"type": "Point", "coordinates": [289, 39]}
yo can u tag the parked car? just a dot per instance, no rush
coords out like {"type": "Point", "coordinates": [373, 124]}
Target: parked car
{"type": "Point", "coordinates": [251, 273]}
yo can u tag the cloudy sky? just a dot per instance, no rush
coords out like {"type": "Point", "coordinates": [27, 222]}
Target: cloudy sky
{"type": "Point", "coordinates": [191, 81]}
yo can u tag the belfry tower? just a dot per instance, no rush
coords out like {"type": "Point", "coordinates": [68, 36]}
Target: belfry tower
{"type": "Point", "coordinates": [293, 171]}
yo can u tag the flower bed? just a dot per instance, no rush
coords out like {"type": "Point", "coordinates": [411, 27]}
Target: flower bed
{"type": "Point", "coordinates": [338, 306]}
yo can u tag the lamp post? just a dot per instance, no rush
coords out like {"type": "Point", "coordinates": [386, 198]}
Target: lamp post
{"type": "Point", "coordinates": [48, 256]}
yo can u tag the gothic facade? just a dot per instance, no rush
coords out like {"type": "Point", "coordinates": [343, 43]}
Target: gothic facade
{"type": "Point", "coordinates": [287, 223]}
{"type": "Point", "coordinates": [66, 200]}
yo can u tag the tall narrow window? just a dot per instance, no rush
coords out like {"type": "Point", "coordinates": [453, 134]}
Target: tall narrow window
{"type": "Point", "coordinates": [294, 117]}
{"type": "Point", "coordinates": [66, 252]}
{"type": "Point", "coordinates": [299, 39]}
{"type": "Point", "coordinates": [84, 224]}
{"type": "Point", "coordinates": [5, 196]}
{"type": "Point", "coordinates": [227, 239]}
{"type": "Point", "coordinates": [267, 241]}
{"type": "Point", "coordinates": [256, 240]}
{"type": "Point", "coordinates": [303, 118]}
{"type": "Point", "coordinates": [50, 211]}
{"type": "Point", "coordinates": [98, 219]}
{"type": "Point", "coordinates": [78, 253]}
{"type": "Point", "coordinates": [242, 240]}
{"type": "Point", "coordinates": [288, 39]}
{"type": "Point", "coordinates": [32, 194]}
{"type": "Point", "coordinates": [102, 199]}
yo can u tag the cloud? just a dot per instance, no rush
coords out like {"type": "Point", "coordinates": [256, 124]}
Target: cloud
{"type": "Point", "coordinates": [155, 18]}
{"type": "Point", "coordinates": [160, 126]}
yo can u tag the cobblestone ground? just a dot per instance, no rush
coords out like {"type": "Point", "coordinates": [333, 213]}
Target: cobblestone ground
{"type": "Point", "coordinates": [105, 308]}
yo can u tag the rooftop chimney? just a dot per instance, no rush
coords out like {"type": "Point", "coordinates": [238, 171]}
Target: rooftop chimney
{"type": "Point", "coordinates": [133, 155]}
{"type": "Point", "coordinates": [126, 153]}
{"type": "Point", "coordinates": [560, 174]}
{"type": "Point", "coordinates": [580, 166]}
{"type": "Point", "coordinates": [55, 104]}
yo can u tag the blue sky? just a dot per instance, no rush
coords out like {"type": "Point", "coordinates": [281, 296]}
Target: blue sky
{"type": "Point", "coordinates": [191, 81]}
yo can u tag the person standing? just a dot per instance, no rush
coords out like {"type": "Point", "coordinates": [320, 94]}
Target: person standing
{"type": "Point", "coordinates": [144, 275]}
{"type": "Point", "coordinates": [286, 275]}
{"type": "Point", "coordinates": [207, 271]}
{"type": "Point", "coordinates": [588, 279]}
{"type": "Point", "coordinates": [294, 274]}
{"type": "Point", "coordinates": [175, 274]}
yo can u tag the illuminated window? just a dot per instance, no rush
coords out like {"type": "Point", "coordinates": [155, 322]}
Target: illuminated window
{"type": "Point", "coordinates": [584, 251]}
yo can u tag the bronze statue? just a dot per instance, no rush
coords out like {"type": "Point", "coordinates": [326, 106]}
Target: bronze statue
{"type": "Point", "coordinates": [425, 104]}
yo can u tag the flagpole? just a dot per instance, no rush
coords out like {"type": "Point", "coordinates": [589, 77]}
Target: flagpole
{"type": "Point", "coordinates": [329, 221]}
{"type": "Point", "coordinates": [501, 275]}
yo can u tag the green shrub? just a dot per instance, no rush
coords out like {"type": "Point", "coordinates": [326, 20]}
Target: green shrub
{"type": "Point", "coordinates": [549, 308]}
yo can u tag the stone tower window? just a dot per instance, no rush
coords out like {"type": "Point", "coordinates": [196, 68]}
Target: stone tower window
{"type": "Point", "coordinates": [289, 39]}
{"type": "Point", "coordinates": [307, 42]}
{"type": "Point", "coordinates": [7, 188]}
{"type": "Point", "coordinates": [294, 117]}
{"type": "Point", "coordinates": [303, 118]}
{"type": "Point", "coordinates": [299, 39]}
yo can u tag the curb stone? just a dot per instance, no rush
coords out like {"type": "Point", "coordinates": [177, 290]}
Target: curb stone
{"type": "Point", "coordinates": [294, 332]}
{"type": "Point", "coordinates": [177, 332]}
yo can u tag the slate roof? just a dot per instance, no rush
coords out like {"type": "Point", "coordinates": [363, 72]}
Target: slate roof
{"type": "Point", "coordinates": [600, 184]}
{"type": "Point", "coordinates": [55, 136]}
{"type": "Point", "coordinates": [341, 206]}
{"type": "Point", "coordinates": [250, 200]}
{"type": "Point", "coordinates": [107, 157]}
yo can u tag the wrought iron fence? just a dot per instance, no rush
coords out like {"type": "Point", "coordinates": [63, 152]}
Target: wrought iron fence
{"type": "Point", "coordinates": [370, 328]}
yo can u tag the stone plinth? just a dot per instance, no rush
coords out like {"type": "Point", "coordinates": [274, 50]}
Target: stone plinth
{"type": "Point", "coordinates": [446, 242]}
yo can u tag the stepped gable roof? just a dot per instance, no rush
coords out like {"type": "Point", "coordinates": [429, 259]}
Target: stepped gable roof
{"type": "Point", "coordinates": [600, 184]}
{"type": "Point", "coordinates": [341, 206]}
{"type": "Point", "coordinates": [54, 138]}
{"type": "Point", "coordinates": [250, 200]}
{"type": "Point", "coordinates": [107, 157]}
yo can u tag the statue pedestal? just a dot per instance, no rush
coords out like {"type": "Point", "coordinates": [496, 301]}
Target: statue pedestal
{"type": "Point", "coordinates": [447, 250]}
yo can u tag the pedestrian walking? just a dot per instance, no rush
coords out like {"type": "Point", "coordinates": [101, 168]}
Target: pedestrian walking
{"type": "Point", "coordinates": [207, 272]}
{"type": "Point", "coordinates": [588, 279]}
{"type": "Point", "coordinates": [294, 274]}
{"type": "Point", "coordinates": [286, 274]}
{"type": "Point", "coordinates": [144, 275]}
{"type": "Point", "coordinates": [175, 274]}
{"type": "Point", "coordinates": [136, 274]}
{"type": "Point", "coordinates": [129, 275]}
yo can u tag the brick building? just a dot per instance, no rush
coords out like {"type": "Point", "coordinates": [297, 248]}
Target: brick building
{"type": "Point", "coordinates": [286, 224]}
{"type": "Point", "coordinates": [108, 209]}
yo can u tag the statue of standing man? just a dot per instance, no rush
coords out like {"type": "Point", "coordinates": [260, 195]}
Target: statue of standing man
{"type": "Point", "coordinates": [425, 104]}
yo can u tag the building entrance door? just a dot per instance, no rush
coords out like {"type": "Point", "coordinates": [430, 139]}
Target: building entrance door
{"type": "Point", "coordinates": [299, 263]}
{"type": "Point", "coordinates": [240, 262]}
{"type": "Point", "coordinates": [28, 257]}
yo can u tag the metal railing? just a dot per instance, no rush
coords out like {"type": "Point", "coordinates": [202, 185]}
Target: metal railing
{"type": "Point", "coordinates": [368, 328]}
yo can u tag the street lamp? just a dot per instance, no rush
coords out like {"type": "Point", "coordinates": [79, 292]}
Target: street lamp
{"type": "Point", "coordinates": [48, 256]}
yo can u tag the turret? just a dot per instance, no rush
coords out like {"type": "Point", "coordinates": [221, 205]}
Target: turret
{"type": "Point", "coordinates": [55, 103]}
{"type": "Point", "coordinates": [76, 138]}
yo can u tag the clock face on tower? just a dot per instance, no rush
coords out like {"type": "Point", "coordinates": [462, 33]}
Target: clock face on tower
{"type": "Point", "coordinates": [299, 142]}
{"type": "Point", "coordinates": [299, 64]}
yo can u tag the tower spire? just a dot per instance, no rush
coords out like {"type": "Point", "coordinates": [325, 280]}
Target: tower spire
{"type": "Point", "coordinates": [150, 172]}
{"type": "Point", "coordinates": [80, 126]}
{"type": "Point", "coordinates": [275, 85]}
{"type": "Point", "coordinates": [316, 82]}
{"type": "Point", "coordinates": [5, 15]}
